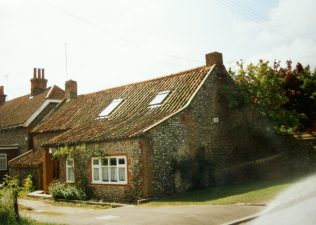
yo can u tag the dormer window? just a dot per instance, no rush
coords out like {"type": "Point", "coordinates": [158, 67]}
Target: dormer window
{"type": "Point", "coordinates": [110, 108]}
{"type": "Point", "coordinates": [159, 99]}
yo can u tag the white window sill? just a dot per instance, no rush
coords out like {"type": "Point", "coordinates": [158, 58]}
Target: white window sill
{"type": "Point", "coordinates": [70, 182]}
{"type": "Point", "coordinates": [117, 183]}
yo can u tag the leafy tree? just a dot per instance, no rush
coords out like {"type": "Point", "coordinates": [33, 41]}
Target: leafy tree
{"type": "Point", "coordinates": [300, 88]}
{"type": "Point", "coordinates": [285, 96]}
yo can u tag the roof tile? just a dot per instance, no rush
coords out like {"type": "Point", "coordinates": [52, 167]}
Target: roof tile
{"type": "Point", "coordinates": [17, 111]}
{"type": "Point", "coordinates": [31, 158]}
{"type": "Point", "coordinates": [78, 117]}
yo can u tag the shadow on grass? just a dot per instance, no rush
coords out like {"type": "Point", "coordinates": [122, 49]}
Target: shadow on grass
{"type": "Point", "coordinates": [219, 192]}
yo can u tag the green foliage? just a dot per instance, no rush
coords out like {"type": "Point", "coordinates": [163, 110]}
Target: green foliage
{"type": "Point", "coordinates": [7, 214]}
{"type": "Point", "coordinates": [22, 221]}
{"type": "Point", "coordinates": [78, 152]}
{"type": "Point", "coordinates": [8, 200]}
{"type": "Point", "coordinates": [196, 169]}
{"type": "Point", "coordinates": [60, 190]}
{"type": "Point", "coordinates": [28, 184]}
{"type": "Point", "coordinates": [285, 96]}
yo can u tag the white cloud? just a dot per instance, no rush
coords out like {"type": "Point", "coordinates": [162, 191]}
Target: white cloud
{"type": "Point", "coordinates": [289, 33]}
{"type": "Point", "coordinates": [300, 50]}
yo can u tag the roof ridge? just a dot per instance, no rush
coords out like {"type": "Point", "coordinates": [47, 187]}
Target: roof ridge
{"type": "Point", "coordinates": [19, 156]}
{"type": "Point", "coordinates": [28, 95]}
{"type": "Point", "coordinates": [148, 80]}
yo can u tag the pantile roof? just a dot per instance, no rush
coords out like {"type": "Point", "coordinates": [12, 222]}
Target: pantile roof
{"type": "Point", "coordinates": [31, 158]}
{"type": "Point", "coordinates": [17, 111]}
{"type": "Point", "coordinates": [79, 117]}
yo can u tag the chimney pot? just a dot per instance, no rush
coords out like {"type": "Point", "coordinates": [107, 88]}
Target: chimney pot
{"type": "Point", "coordinates": [214, 58]}
{"type": "Point", "coordinates": [2, 95]}
{"type": "Point", "coordinates": [43, 73]}
{"type": "Point", "coordinates": [34, 73]}
{"type": "Point", "coordinates": [39, 73]}
{"type": "Point", "coordinates": [70, 89]}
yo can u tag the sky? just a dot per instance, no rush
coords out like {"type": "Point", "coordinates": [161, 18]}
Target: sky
{"type": "Point", "coordinates": [109, 43]}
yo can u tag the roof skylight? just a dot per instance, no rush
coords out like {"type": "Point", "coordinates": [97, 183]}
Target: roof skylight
{"type": "Point", "coordinates": [160, 97]}
{"type": "Point", "coordinates": [110, 108]}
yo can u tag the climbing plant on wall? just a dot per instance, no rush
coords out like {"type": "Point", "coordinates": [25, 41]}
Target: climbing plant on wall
{"type": "Point", "coordinates": [81, 154]}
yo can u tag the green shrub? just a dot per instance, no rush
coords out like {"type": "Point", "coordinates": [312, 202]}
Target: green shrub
{"type": "Point", "coordinates": [196, 170]}
{"type": "Point", "coordinates": [7, 214]}
{"type": "Point", "coordinates": [60, 190]}
{"type": "Point", "coordinates": [28, 184]}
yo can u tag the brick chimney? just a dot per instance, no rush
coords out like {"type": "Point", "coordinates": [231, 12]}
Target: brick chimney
{"type": "Point", "coordinates": [2, 95]}
{"type": "Point", "coordinates": [214, 58]}
{"type": "Point", "coordinates": [38, 82]}
{"type": "Point", "coordinates": [70, 89]}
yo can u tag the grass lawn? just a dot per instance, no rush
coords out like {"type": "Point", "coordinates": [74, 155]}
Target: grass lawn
{"type": "Point", "coordinates": [250, 193]}
{"type": "Point", "coordinates": [24, 221]}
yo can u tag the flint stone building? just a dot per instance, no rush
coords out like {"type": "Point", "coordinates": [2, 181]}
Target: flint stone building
{"type": "Point", "coordinates": [144, 128]}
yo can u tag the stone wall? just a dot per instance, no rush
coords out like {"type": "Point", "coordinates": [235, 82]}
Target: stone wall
{"type": "Point", "coordinates": [23, 172]}
{"type": "Point", "coordinates": [167, 140]}
{"type": "Point", "coordinates": [39, 139]}
{"type": "Point", "coordinates": [15, 136]}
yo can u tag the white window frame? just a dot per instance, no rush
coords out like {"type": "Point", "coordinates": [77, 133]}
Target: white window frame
{"type": "Point", "coordinates": [4, 156]}
{"type": "Point", "coordinates": [159, 99]}
{"type": "Point", "coordinates": [108, 166]}
{"type": "Point", "coordinates": [73, 170]}
{"type": "Point", "coordinates": [110, 108]}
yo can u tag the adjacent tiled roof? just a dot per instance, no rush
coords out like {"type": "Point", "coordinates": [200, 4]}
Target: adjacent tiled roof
{"type": "Point", "coordinates": [17, 111]}
{"type": "Point", "coordinates": [78, 117]}
{"type": "Point", "coordinates": [31, 158]}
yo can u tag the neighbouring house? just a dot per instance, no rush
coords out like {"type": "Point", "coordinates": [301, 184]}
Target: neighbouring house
{"type": "Point", "coordinates": [145, 129]}
{"type": "Point", "coordinates": [17, 118]}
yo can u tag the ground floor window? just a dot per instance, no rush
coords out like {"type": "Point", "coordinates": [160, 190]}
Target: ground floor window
{"type": "Point", "coordinates": [3, 161]}
{"type": "Point", "coordinates": [109, 170]}
{"type": "Point", "coordinates": [70, 177]}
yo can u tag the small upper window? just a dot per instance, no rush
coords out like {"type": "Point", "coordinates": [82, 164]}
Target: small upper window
{"type": "Point", "coordinates": [110, 108]}
{"type": "Point", "coordinates": [160, 97]}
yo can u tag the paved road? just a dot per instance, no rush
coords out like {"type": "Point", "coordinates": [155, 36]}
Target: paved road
{"type": "Point", "coordinates": [135, 215]}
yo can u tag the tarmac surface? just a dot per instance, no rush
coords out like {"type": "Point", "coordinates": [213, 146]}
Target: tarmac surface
{"type": "Point", "coordinates": [135, 215]}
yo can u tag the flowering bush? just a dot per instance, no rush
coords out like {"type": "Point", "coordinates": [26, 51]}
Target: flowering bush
{"type": "Point", "coordinates": [60, 190]}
